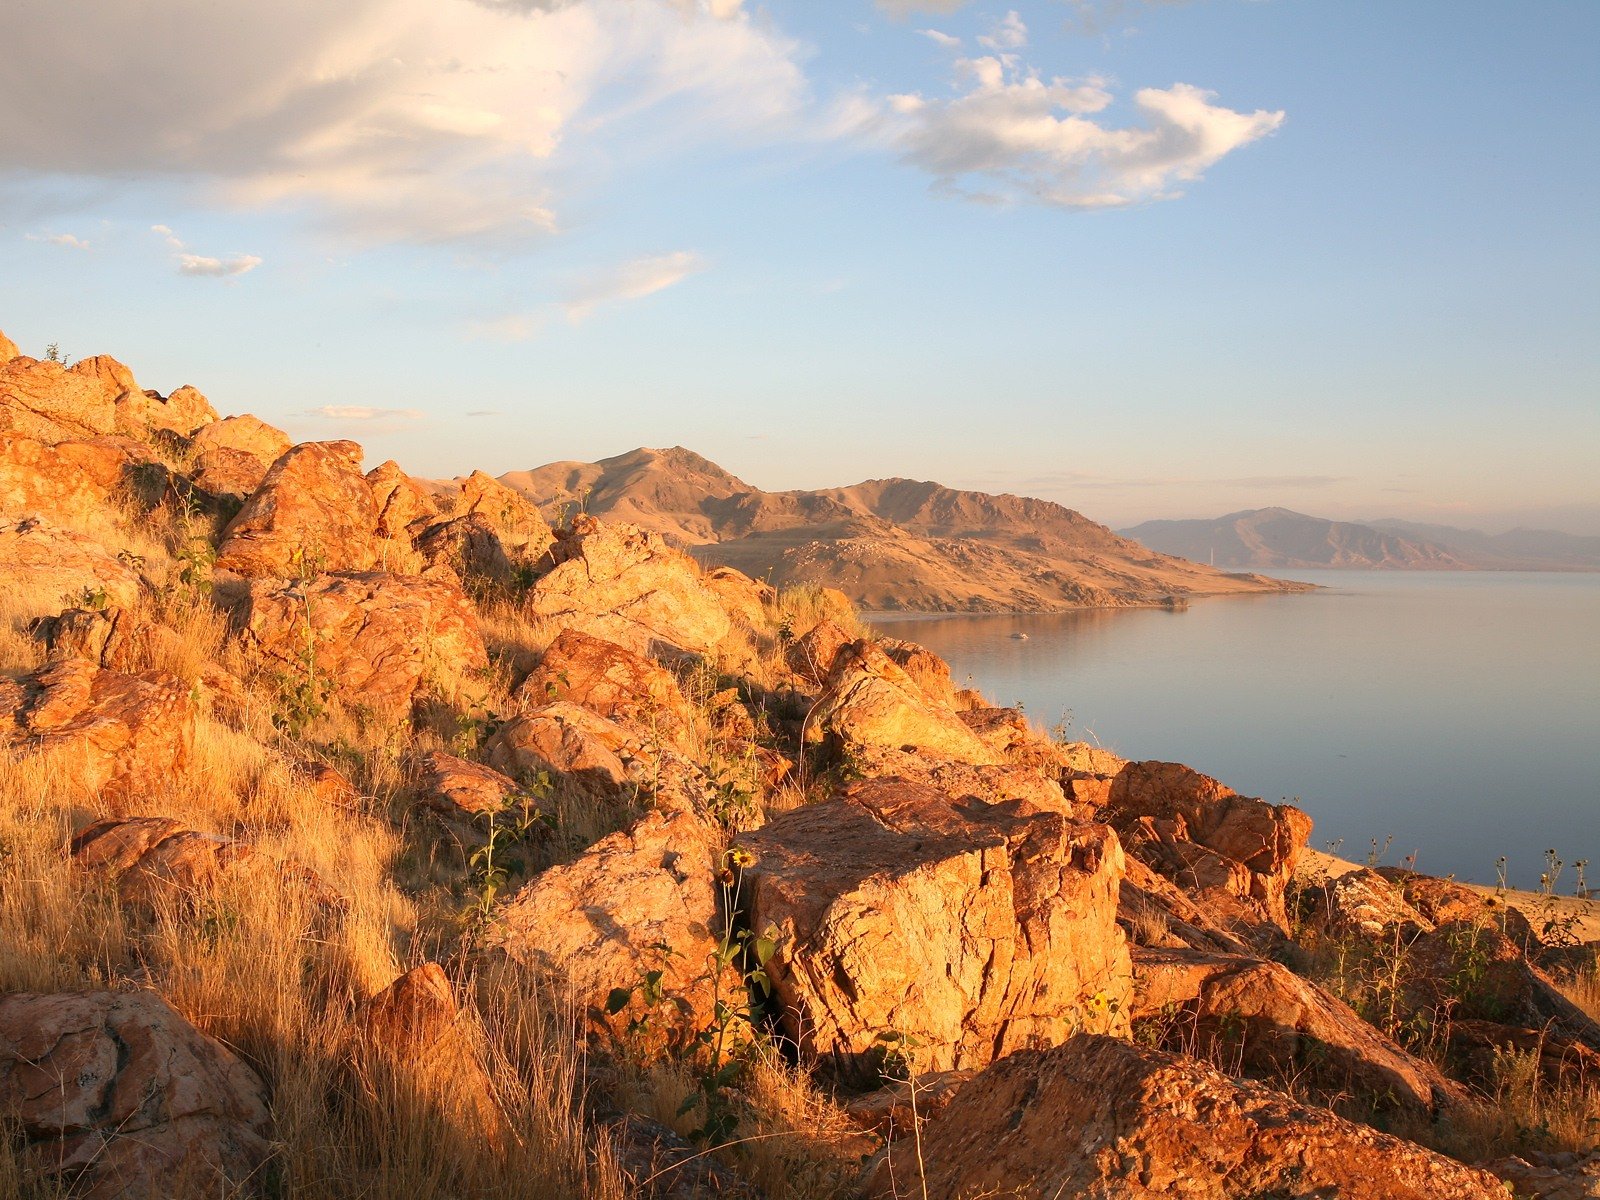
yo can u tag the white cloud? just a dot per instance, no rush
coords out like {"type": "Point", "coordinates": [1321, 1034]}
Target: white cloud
{"type": "Point", "coordinates": [200, 264]}
{"type": "Point", "coordinates": [360, 413]}
{"type": "Point", "coordinates": [946, 40]}
{"type": "Point", "coordinates": [1011, 137]}
{"type": "Point", "coordinates": [65, 240]}
{"type": "Point", "coordinates": [205, 265]}
{"type": "Point", "coordinates": [384, 120]}
{"type": "Point", "coordinates": [1008, 33]}
{"type": "Point", "coordinates": [629, 281]}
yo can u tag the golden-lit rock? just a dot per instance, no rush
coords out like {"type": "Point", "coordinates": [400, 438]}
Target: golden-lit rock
{"type": "Point", "coordinates": [313, 511]}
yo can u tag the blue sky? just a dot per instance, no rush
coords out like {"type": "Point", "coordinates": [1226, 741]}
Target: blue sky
{"type": "Point", "coordinates": [1149, 259]}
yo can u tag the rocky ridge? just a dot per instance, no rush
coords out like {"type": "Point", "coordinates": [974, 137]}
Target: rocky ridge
{"type": "Point", "coordinates": [359, 835]}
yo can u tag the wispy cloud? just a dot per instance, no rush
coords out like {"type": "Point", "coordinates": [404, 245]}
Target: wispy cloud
{"type": "Point", "coordinates": [205, 265]}
{"type": "Point", "coordinates": [632, 280]}
{"type": "Point", "coordinates": [1008, 33]}
{"type": "Point", "coordinates": [65, 240]}
{"type": "Point", "coordinates": [1011, 136]}
{"type": "Point", "coordinates": [360, 413]}
{"type": "Point", "coordinates": [939, 38]}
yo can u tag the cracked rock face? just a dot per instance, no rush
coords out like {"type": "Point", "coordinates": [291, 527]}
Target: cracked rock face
{"type": "Point", "coordinates": [121, 1095]}
{"type": "Point", "coordinates": [969, 929]}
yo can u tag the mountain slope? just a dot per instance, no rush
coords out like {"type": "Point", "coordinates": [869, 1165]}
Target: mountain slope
{"type": "Point", "coordinates": [887, 543]}
{"type": "Point", "coordinates": [1514, 550]}
{"type": "Point", "coordinates": [1279, 538]}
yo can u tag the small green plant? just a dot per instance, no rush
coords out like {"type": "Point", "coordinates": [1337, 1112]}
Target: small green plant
{"type": "Point", "coordinates": [52, 353]}
{"type": "Point", "coordinates": [505, 829]}
{"type": "Point", "coordinates": [95, 598]}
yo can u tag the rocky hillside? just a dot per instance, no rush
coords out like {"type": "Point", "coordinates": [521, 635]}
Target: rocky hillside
{"type": "Point", "coordinates": [359, 839]}
{"type": "Point", "coordinates": [1514, 550]}
{"type": "Point", "coordinates": [1278, 539]}
{"type": "Point", "coordinates": [887, 543]}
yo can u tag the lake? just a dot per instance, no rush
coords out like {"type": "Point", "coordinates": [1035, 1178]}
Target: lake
{"type": "Point", "coordinates": [1457, 713]}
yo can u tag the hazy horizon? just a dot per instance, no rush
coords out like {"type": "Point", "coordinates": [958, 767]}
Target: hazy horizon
{"type": "Point", "coordinates": [1149, 260]}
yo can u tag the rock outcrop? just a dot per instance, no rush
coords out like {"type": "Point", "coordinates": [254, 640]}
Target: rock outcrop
{"type": "Point", "coordinates": [404, 505]}
{"type": "Point", "coordinates": [46, 401]}
{"type": "Point", "coordinates": [970, 929]}
{"type": "Point", "coordinates": [313, 511]}
{"type": "Point", "coordinates": [118, 1097]}
{"type": "Point", "coordinates": [70, 482]}
{"type": "Point", "coordinates": [1102, 1119]}
{"type": "Point", "coordinates": [582, 751]}
{"type": "Point", "coordinates": [625, 585]}
{"type": "Point", "coordinates": [44, 568]}
{"type": "Point", "coordinates": [101, 729]}
{"type": "Point", "coordinates": [376, 641]}
{"type": "Point", "coordinates": [232, 456]}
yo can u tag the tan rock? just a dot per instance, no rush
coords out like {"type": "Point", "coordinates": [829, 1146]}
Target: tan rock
{"type": "Point", "coordinates": [926, 669]}
{"type": "Point", "coordinates": [615, 683]}
{"type": "Point", "coordinates": [888, 1110]}
{"type": "Point", "coordinates": [1263, 1020]}
{"type": "Point", "coordinates": [69, 482]}
{"type": "Point", "coordinates": [44, 568]}
{"type": "Point", "coordinates": [461, 789]}
{"type": "Point", "coordinates": [44, 400]}
{"type": "Point", "coordinates": [1101, 1119]}
{"type": "Point", "coordinates": [599, 924]}
{"type": "Point", "coordinates": [120, 1097]}
{"type": "Point", "coordinates": [748, 600]}
{"type": "Point", "coordinates": [583, 751]}
{"type": "Point", "coordinates": [1159, 806]}
{"type": "Point", "coordinates": [113, 377]}
{"type": "Point", "coordinates": [105, 730]}
{"type": "Point", "coordinates": [312, 512]}
{"type": "Point", "coordinates": [232, 456]}
{"type": "Point", "coordinates": [625, 585]}
{"type": "Point", "coordinates": [1568, 1176]}
{"type": "Point", "coordinates": [518, 523]}
{"type": "Point", "coordinates": [812, 655]}
{"type": "Point", "coordinates": [972, 929]}
{"type": "Point", "coordinates": [8, 350]}
{"type": "Point", "coordinates": [871, 702]}
{"type": "Point", "coordinates": [376, 641]}
{"type": "Point", "coordinates": [184, 412]}
{"type": "Point", "coordinates": [157, 859]}
{"type": "Point", "coordinates": [94, 635]}
{"type": "Point", "coordinates": [470, 546]}
{"type": "Point", "coordinates": [404, 505]}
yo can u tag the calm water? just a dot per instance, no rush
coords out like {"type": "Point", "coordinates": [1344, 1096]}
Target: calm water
{"type": "Point", "coordinates": [1458, 713]}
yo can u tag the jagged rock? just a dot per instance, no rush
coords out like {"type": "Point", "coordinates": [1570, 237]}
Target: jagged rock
{"type": "Point", "coordinates": [926, 669]}
{"type": "Point", "coordinates": [8, 350]}
{"type": "Point", "coordinates": [1102, 1119]}
{"type": "Point", "coordinates": [312, 512]}
{"type": "Point", "coordinates": [888, 1110]}
{"type": "Point", "coordinates": [232, 456]}
{"type": "Point", "coordinates": [970, 928]}
{"type": "Point", "coordinates": [156, 858]}
{"type": "Point", "coordinates": [1567, 1176]}
{"type": "Point", "coordinates": [1480, 1046]}
{"type": "Point", "coordinates": [1261, 1018]}
{"type": "Point", "coordinates": [46, 401]}
{"type": "Point", "coordinates": [94, 635]}
{"type": "Point", "coordinates": [628, 586]}
{"type": "Point", "coordinates": [43, 568]}
{"type": "Point", "coordinates": [1165, 810]}
{"type": "Point", "coordinates": [469, 546]}
{"type": "Point", "coordinates": [516, 521]}
{"type": "Point", "coordinates": [1442, 901]}
{"type": "Point", "coordinates": [1157, 913]}
{"type": "Point", "coordinates": [612, 681]}
{"type": "Point", "coordinates": [600, 923]}
{"type": "Point", "coordinates": [70, 481]}
{"type": "Point", "coordinates": [749, 600]}
{"type": "Point", "coordinates": [416, 1024]}
{"type": "Point", "coordinates": [992, 784]}
{"type": "Point", "coordinates": [376, 641]}
{"type": "Point", "coordinates": [404, 505]}
{"type": "Point", "coordinates": [104, 730]}
{"type": "Point", "coordinates": [460, 789]}
{"type": "Point", "coordinates": [184, 412]}
{"type": "Point", "coordinates": [871, 702]}
{"type": "Point", "coordinates": [579, 748]}
{"type": "Point", "coordinates": [1360, 903]}
{"type": "Point", "coordinates": [118, 1096]}
{"type": "Point", "coordinates": [812, 656]}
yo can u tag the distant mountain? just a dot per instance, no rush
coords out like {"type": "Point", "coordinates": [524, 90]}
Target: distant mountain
{"type": "Point", "coordinates": [1515, 550]}
{"type": "Point", "coordinates": [1280, 539]}
{"type": "Point", "coordinates": [887, 543]}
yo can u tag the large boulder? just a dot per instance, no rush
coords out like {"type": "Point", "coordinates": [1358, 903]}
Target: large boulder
{"type": "Point", "coordinates": [614, 682]}
{"type": "Point", "coordinates": [45, 400]}
{"type": "Point", "coordinates": [118, 1097]}
{"type": "Point", "coordinates": [872, 702]}
{"type": "Point", "coordinates": [460, 789]}
{"type": "Point", "coordinates": [44, 568]}
{"type": "Point", "coordinates": [621, 583]}
{"type": "Point", "coordinates": [1171, 815]}
{"type": "Point", "coordinates": [512, 516]}
{"type": "Point", "coordinates": [1262, 1019]}
{"type": "Point", "coordinates": [184, 412]}
{"type": "Point", "coordinates": [1102, 1119]}
{"type": "Point", "coordinates": [969, 928]}
{"type": "Point", "coordinates": [312, 512]}
{"type": "Point", "coordinates": [232, 456]}
{"type": "Point", "coordinates": [636, 902]}
{"type": "Point", "coordinates": [70, 481]}
{"type": "Point", "coordinates": [102, 729]}
{"type": "Point", "coordinates": [587, 754]}
{"type": "Point", "coordinates": [811, 656]}
{"type": "Point", "coordinates": [377, 641]}
{"type": "Point", "coordinates": [404, 505]}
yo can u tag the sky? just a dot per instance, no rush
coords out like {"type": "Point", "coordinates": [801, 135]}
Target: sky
{"type": "Point", "coordinates": [1148, 258]}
